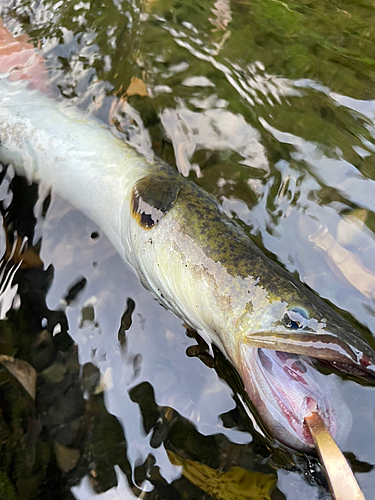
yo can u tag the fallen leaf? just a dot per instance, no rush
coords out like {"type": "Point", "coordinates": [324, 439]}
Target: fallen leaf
{"type": "Point", "coordinates": [22, 371]}
{"type": "Point", "coordinates": [67, 458]}
{"type": "Point", "coordinates": [235, 484]}
{"type": "Point", "coordinates": [136, 87]}
{"type": "Point", "coordinates": [54, 373]}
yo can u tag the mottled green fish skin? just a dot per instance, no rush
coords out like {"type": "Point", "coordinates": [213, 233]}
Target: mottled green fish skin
{"type": "Point", "coordinates": [247, 293]}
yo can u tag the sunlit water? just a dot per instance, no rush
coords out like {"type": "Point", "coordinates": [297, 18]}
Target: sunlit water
{"type": "Point", "coordinates": [270, 107]}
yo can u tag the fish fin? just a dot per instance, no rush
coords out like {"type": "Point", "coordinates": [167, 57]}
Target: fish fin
{"type": "Point", "coordinates": [152, 197]}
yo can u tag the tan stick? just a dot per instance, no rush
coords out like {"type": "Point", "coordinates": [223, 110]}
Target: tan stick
{"type": "Point", "coordinates": [341, 479]}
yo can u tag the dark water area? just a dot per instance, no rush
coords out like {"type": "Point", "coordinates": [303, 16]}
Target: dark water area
{"type": "Point", "coordinates": [269, 106]}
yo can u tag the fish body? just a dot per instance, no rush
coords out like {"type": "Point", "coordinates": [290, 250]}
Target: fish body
{"type": "Point", "coordinates": [197, 261]}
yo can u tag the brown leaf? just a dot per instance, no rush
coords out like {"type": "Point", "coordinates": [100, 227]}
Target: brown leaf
{"type": "Point", "coordinates": [67, 458]}
{"type": "Point", "coordinates": [136, 87]}
{"type": "Point", "coordinates": [22, 371]}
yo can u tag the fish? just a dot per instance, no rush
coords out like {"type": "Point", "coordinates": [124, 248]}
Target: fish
{"type": "Point", "coordinates": [196, 260]}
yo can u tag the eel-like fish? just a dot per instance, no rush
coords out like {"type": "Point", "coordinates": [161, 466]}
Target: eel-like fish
{"type": "Point", "coordinates": [197, 261]}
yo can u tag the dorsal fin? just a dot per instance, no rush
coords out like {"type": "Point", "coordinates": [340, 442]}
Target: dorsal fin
{"type": "Point", "coordinates": [152, 197]}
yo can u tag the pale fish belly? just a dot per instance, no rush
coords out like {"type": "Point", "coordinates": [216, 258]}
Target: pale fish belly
{"type": "Point", "coordinates": [78, 157]}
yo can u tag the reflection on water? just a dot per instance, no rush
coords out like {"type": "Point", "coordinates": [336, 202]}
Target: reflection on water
{"type": "Point", "coordinates": [270, 107]}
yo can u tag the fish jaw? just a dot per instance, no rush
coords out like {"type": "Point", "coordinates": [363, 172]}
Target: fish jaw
{"type": "Point", "coordinates": [285, 389]}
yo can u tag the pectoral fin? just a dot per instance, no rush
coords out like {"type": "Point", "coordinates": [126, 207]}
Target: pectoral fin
{"type": "Point", "coordinates": [152, 197]}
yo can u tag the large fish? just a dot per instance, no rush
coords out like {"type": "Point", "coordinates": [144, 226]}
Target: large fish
{"type": "Point", "coordinates": [195, 259]}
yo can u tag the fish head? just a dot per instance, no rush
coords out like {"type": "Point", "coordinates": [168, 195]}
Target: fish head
{"type": "Point", "coordinates": [310, 327]}
{"type": "Point", "coordinates": [277, 364]}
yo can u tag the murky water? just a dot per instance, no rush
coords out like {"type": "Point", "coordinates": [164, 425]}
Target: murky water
{"type": "Point", "coordinates": [270, 106]}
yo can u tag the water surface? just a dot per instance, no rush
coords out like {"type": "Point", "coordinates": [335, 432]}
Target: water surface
{"type": "Point", "coordinates": [270, 106]}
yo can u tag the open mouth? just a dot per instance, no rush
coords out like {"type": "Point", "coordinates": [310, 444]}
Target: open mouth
{"type": "Point", "coordinates": [286, 388]}
{"type": "Point", "coordinates": [294, 386]}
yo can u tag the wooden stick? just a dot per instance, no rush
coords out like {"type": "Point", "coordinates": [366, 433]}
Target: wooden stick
{"type": "Point", "coordinates": [341, 479]}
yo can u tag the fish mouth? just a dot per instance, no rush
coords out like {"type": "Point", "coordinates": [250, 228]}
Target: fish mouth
{"type": "Point", "coordinates": [295, 390]}
{"type": "Point", "coordinates": [285, 389]}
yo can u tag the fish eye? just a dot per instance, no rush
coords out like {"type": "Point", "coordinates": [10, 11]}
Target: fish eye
{"type": "Point", "coordinates": [296, 318]}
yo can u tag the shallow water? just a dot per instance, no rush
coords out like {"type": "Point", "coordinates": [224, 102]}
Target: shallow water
{"type": "Point", "coordinates": [270, 106]}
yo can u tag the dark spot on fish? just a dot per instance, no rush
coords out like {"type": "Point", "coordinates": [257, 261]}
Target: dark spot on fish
{"type": "Point", "coordinates": [94, 235]}
{"type": "Point", "coordinates": [152, 197]}
{"type": "Point", "coordinates": [249, 308]}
